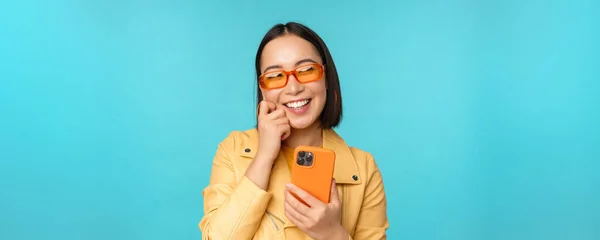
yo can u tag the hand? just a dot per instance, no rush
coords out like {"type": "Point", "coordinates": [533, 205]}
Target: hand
{"type": "Point", "coordinates": [273, 127]}
{"type": "Point", "coordinates": [320, 220]}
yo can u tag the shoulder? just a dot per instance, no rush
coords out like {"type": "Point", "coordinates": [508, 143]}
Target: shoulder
{"type": "Point", "coordinates": [361, 159]}
{"type": "Point", "coordinates": [241, 135]}
{"type": "Point", "coordinates": [364, 159]}
{"type": "Point", "coordinates": [239, 139]}
{"type": "Point", "coordinates": [370, 172]}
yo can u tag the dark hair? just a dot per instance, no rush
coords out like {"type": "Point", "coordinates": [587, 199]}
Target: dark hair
{"type": "Point", "coordinates": [332, 112]}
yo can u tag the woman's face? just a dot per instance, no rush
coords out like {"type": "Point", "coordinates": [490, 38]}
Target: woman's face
{"type": "Point", "coordinates": [303, 102]}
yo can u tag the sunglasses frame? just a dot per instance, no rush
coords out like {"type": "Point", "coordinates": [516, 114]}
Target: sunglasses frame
{"type": "Point", "coordinates": [320, 68]}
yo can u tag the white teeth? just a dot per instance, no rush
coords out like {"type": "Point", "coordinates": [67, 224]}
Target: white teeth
{"type": "Point", "coordinates": [297, 104]}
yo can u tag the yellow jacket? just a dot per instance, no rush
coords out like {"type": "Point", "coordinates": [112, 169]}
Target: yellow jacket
{"type": "Point", "coordinates": [235, 208]}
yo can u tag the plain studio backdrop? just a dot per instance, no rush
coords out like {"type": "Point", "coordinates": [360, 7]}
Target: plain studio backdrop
{"type": "Point", "coordinates": [482, 115]}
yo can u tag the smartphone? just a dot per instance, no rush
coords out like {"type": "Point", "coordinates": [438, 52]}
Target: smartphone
{"type": "Point", "coordinates": [312, 171]}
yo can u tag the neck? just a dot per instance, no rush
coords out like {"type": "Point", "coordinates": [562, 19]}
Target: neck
{"type": "Point", "coordinates": [310, 136]}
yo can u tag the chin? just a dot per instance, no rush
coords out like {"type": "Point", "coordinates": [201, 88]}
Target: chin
{"type": "Point", "coordinates": [301, 123]}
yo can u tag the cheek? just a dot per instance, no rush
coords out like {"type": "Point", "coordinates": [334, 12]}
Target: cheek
{"type": "Point", "coordinates": [320, 91]}
{"type": "Point", "coordinates": [271, 95]}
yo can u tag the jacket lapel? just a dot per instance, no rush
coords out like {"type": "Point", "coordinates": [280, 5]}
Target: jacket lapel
{"type": "Point", "coordinates": [346, 170]}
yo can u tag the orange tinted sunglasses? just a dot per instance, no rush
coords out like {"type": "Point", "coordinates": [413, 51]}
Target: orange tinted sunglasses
{"type": "Point", "coordinates": [304, 74]}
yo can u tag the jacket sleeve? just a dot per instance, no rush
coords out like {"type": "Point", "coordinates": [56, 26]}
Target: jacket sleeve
{"type": "Point", "coordinates": [372, 221]}
{"type": "Point", "coordinates": [232, 209]}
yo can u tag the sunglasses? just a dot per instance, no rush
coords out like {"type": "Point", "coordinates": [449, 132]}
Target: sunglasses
{"type": "Point", "coordinates": [278, 79]}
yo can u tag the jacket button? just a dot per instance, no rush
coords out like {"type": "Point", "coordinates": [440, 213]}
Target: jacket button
{"type": "Point", "coordinates": [247, 150]}
{"type": "Point", "coordinates": [355, 177]}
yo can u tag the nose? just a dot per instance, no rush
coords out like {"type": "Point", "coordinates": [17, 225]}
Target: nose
{"type": "Point", "coordinates": [293, 87]}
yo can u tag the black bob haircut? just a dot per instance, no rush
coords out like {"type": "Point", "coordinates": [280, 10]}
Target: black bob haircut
{"type": "Point", "coordinates": [332, 112]}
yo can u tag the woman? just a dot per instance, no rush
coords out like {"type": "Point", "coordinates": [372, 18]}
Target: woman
{"type": "Point", "coordinates": [299, 103]}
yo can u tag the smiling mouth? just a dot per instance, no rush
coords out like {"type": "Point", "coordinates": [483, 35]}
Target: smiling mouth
{"type": "Point", "coordinates": [297, 104]}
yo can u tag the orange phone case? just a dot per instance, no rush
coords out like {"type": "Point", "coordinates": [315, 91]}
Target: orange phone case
{"type": "Point", "coordinates": [314, 178]}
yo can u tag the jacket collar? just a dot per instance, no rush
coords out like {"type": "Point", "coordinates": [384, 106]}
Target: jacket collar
{"type": "Point", "coordinates": [345, 171]}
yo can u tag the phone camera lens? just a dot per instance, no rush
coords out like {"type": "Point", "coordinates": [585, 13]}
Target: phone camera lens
{"type": "Point", "coordinates": [309, 158]}
{"type": "Point", "coordinates": [300, 161]}
{"type": "Point", "coordinates": [301, 154]}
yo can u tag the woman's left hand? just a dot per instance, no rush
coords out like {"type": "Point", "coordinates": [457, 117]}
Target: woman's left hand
{"type": "Point", "coordinates": [320, 220]}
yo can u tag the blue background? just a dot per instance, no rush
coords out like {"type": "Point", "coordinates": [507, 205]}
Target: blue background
{"type": "Point", "coordinates": [483, 115]}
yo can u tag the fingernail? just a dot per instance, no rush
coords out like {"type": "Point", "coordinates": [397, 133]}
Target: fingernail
{"type": "Point", "coordinates": [288, 186]}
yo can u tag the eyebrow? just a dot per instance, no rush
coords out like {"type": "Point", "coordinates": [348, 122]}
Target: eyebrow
{"type": "Point", "coordinates": [297, 63]}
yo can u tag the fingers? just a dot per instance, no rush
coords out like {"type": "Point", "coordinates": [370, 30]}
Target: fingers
{"type": "Point", "coordinates": [293, 216]}
{"type": "Point", "coordinates": [334, 197]}
{"type": "Point", "coordinates": [270, 110]}
{"type": "Point", "coordinates": [282, 121]}
{"type": "Point", "coordinates": [298, 210]}
{"type": "Point", "coordinates": [271, 106]}
{"type": "Point", "coordinates": [295, 203]}
{"type": "Point", "coordinates": [275, 115]}
{"type": "Point", "coordinates": [286, 133]}
{"type": "Point", "coordinates": [287, 130]}
{"type": "Point", "coordinates": [265, 107]}
{"type": "Point", "coordinates": [278, 113]}
{"type": "Point", "coordinates": [309, 199]}
{"type": "Point", "coordinates": [284, 126]}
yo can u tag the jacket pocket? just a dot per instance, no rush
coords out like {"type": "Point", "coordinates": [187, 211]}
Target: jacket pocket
{"type": "Point", "coordinates": [269, 227]}
{"type": "Point", "coordinates": [274, 221]}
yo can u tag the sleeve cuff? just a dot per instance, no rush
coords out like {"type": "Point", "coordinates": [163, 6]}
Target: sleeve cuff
{"type": "Point", "coordinates": [261, 197]}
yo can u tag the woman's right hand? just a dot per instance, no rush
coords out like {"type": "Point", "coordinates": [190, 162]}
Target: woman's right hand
{"type": "Point", "coordinates": [273, 127]}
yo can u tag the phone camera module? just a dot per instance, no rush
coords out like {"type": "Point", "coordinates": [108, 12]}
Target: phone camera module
{"type": "Point", "coordinates": [305, 158]}
{"type": "Point", "coordinates": [309, 158]}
